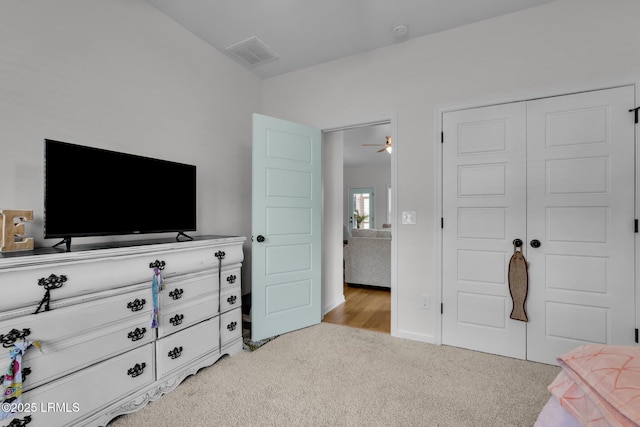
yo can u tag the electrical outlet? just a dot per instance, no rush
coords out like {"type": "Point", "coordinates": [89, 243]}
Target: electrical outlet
{"type": "Point", "coordinates": [426, 302]}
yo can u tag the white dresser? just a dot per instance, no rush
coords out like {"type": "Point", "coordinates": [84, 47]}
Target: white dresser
{"type": "Point", "coordinates": [100, 357]}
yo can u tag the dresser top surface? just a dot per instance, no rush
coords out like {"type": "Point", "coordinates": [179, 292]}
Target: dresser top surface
{"type": "Point", "coordinates": [96, 250]}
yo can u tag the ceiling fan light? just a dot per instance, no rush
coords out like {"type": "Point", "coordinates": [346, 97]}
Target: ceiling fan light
{"type": "Point", "coordinates": [388, 149]}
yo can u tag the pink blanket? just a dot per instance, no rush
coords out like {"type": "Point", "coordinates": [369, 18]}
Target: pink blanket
{"type": "Point", "coordinates": [600, 385]}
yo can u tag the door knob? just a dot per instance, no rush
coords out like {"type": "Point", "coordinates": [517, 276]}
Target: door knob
{"type": "Point", "coordinates": [535, 243]}
{"type": "Point", "coordinates": [517, 243]}
{"type": "Point", "coordinates": [260, 238]}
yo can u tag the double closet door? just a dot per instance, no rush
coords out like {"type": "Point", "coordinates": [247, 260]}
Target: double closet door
{"type": "Point", "coordinates": [558, 174]}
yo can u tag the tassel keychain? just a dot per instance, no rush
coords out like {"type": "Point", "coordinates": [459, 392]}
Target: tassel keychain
{"type": "Point", "coordinates": [12, 384]}
{"type": "Point", "coordinates": [157, 285]}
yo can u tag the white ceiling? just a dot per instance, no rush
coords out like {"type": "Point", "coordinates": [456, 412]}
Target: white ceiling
{"type": "Point", "coordinates": [308, 32]}
{"type": "Point", "coordinates": [304, 33]}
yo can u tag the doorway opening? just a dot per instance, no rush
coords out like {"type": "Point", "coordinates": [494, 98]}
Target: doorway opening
{"type": "Point", "coordinates": [362, 199]}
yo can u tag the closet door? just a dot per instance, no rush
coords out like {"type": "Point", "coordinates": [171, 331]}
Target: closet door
{"type": "Point", "coordinates": [580, 207]}
{"type": "Point", "coordinates": [484, 209]}
{"type": "Point", "coordinates": [558, 173]}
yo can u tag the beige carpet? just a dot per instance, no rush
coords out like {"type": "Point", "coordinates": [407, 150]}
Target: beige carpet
{"type": "Point", "coordinates": [330, 375]}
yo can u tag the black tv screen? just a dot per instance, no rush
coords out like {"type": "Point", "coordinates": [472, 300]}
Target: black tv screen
{"type": "Point", "coordinates": [96, 192]}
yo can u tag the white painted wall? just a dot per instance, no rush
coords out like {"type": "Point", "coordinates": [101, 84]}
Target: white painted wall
{"type": "Point", "coordinates": [120, 75]}
{"type": "Point", "coordinates": [378, 177]}
{"type": "Point", "coordinates": [332, 287]}
{"type": "Point", "coordinates": [558, 47]}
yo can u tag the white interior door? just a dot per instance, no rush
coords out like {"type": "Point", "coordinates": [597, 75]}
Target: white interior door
{"type": "Point", "coordinates": [557, 173]}
{"type": "Point", "coordinates": [484, 210]}
{"type": "Point", "coordinates": [580, 191]}
{"type": "Point", "coordinates": [286, 227]}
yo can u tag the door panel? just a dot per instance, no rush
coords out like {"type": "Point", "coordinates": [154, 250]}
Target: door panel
{"type": "Point", "coordinates": [484, 211]}
{"type": "Point", "coordinates": [286, 211]}
{"type": "Point", "coordinates": [580, 198]}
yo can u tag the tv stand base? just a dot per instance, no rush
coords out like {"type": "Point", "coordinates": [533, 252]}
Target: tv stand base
{"type": "Point", "coordinates": [183, 234]}
{"type": "Point", "coordinates": [66, 241]}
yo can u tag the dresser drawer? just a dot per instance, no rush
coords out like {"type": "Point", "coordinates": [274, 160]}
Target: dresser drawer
{"type": "Point", "coordinates": [230, 299]}
{"type": "Point", "coordinates": [79, 395]}
{"type": "Point", "coordinates": [176, 318]}
{"type": "Point", "coordinates": [71, 321]}
{"type": "Point", "coordinates": [93, 271]}
{"type": "Point", "coordinates": [179, 291]}
{"type": "Point", "coordinates": [186, 346]}
{"type": "Point", "coordinates": [230, 278]}
{"type": "Point", "coordinates": [231, 325]}
{"type": "Point", "coordinates": [63, 357]}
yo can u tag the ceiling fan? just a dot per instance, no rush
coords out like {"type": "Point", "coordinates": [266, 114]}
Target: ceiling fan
{"type": "Point", "coordinates": [385, 147]}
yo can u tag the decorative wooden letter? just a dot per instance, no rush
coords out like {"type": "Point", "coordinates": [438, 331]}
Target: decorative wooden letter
{"type": "Point", "coordinates": [12, 226]}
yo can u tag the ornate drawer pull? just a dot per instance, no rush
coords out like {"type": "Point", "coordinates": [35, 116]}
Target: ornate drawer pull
{"type": "Point", "coordinates": [231, 279]}
{"type": "Point", "coordinates": [14, 335]}
{"type": "Point", "coordinates": [176, 293]}
{"type": "Point", "coordinates": [177, 319]}
{"type": "Point", "coordinates": [49, 283]}
{"type": "Point", "coordinates": [137, 334]}
{"type": "Point", "coordinates": [232, 299]}
{"type": "Point", "coordinates": [136, 304]}
{"type": "Point", "coordinates": [220, 255]}
{"type": "Point", "coordinates": [157, 264]}
{"type": "Point", "coordinates": [16, 422]}
{"type": "Point", "coordinates": [52, 282]}
{"type": "Point", "coordinates": [137, 369]}
{"type": "Point", "coordinates": [175, 353]}
{"type": "Point", "coordinates": [232, 326]}
{"type": "Point", "coordinates": [26, 371]}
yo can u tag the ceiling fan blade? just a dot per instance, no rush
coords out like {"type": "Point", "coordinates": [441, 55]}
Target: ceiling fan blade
{"type": "Point", "coordinates": [381, 150]}
{"type": "Point", "coordinates": [374, 145]}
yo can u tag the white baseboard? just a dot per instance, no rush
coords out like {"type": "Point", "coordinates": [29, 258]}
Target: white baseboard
{"type": "Point", "coordinates": [414, 336]}
{"type": "Point", "coordinates": [333, 305]}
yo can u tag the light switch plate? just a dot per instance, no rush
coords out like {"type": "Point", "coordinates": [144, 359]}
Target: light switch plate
{"type": "Point", "coordinates": [408, 217]}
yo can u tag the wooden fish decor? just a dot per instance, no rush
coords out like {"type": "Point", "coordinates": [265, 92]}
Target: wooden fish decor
{"type": "Point", "coordinates": [518, 286]}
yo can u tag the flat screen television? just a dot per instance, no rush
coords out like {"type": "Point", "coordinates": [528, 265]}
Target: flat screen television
{"type": "Point", "coordinates": [95, 192]}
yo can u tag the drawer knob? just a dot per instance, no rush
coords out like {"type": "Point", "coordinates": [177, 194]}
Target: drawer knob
{"type": "Point", "coordinates": [220, 255]}
{"type": "Point", "coordinates": [137, 334]}
{"type": "Point", "coordinates": [231, 278]}
{"type": "Point", "coordinates": [176, 293]}
{"type": "Point", "coordinates": [232, 326]}
{"type": "Point", "coordinates": [232, 299]}
{"type": "Point", "coordinates": [14, 335]}
{"type": "Point", "coordinates": [157, 264]}
{"type": "Point", "coordinates": [175, 353]}
{"type": "Point", "coordinates": [136, 304]}
{"type": "Point", "coordinates": [177, 319]}
{"type": "Point", "coordinates": [137, 370]}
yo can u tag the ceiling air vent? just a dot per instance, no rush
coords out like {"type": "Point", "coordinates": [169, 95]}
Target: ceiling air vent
{"type": "Point", "coordinates": [252, 51]}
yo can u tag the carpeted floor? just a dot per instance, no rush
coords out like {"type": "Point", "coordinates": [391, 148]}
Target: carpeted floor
{"type": "Point", "coordinates": [330, 375]}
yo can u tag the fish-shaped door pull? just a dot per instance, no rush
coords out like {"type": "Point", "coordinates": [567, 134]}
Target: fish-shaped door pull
{"type": "Point", "coordinates": [518, 286]}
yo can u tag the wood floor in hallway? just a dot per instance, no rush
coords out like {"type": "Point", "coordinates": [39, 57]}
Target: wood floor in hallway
{"type": "Point", "coordinates": [364, 308]}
